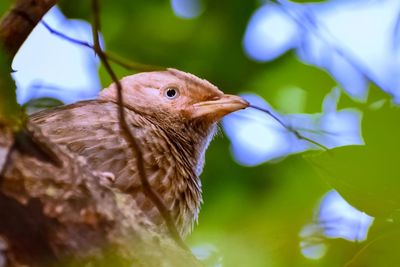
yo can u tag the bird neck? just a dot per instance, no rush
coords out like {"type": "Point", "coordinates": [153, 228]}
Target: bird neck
{"type": "Point", "coordinates": [186, 146]}
{"type": "Point", "coordinates": [191, 141]}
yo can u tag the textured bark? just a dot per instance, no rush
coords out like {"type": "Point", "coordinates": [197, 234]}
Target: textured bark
{"type": "Point", "coordinates": [58, 209]}
{"type": "Point", "coordinates": [55, 212]}
{"type": "Point", "coordinates": [6, 142]}
{"type": "Point", "coordinates": [19, 21]}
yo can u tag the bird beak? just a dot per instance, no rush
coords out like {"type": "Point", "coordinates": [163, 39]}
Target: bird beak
{"type": "Point", "coordinates": [217, 108]}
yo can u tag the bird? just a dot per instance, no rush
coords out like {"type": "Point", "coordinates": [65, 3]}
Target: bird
{"type": "Point", "coordinates": [172, 115]}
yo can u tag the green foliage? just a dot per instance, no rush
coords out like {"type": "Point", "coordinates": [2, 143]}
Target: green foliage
{"type": "Point", "coordinates": [287, 73]}
{"type": "Point", "coordinates": [38, 104]}
{"type": "Point", "coordinates": [149, 32]}
{"type": "Point", "coordinates": [367, 175]}
{"type": "Point", "coordinates": [308, 1]}
{"type": "Point", "coordinates": [76, 9]}
{"type": "Point", "coordinates": [254, 215]}
{"type": "Point", "coordinates": [9, 108]}
{"type": "Point", "coordinates": [4, 6]}
{"type": "Point", "coordinates": [381, 251]}
{"type": "Point", "coordinates": [303, 1]}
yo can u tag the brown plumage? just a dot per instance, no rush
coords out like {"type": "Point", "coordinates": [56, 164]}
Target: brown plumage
{"type": "Point", "coordinates": [172, 115]}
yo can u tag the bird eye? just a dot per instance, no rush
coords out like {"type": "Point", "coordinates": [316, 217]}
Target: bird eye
{"type": "Point", "coordinates": [171, 93]}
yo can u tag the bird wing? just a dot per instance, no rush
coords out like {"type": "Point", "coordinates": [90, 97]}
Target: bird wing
{"type": "Point", "coordinates": [91, 129]}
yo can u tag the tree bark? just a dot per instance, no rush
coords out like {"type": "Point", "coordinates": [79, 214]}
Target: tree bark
{"type": "Point", "coordinates": [19, 21]}
{"type": "Point", "coordinates": [54, 211]}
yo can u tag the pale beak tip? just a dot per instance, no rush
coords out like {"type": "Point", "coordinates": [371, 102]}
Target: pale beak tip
{"type": "Point", "coordinates": [246, 104]}
{"type": "Point", "coordinates": [243, 103]}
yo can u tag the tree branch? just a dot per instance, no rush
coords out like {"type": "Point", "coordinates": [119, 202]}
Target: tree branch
{"type": "Point", "coordinates": [71, 213]}
{"type": "Point", "coordinates": [77, 203]}
{"type": "Point", "coordinates": [19, 21]}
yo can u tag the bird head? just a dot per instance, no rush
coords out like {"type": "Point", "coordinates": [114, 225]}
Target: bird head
{"type": "Point", "coordinates": [174, 96]}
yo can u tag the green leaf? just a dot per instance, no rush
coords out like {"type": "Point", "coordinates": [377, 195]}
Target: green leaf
{"type": "Point", "coordinates": [382, 251]}
{"type": "Point", "coordinates": [76, 9]}
{"type": "Point", "coordinates": [305, 1]}
{"type": "Point", "coordinates": [38, 104]}
{"type": "Point", "coordinates": [4, 6]}
{"type": "Point", "coordinates": [9, 108]}
{"type": "Point", "coordinates": [368, 176]}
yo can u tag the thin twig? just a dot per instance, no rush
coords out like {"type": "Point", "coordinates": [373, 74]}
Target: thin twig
{"type": "Point", "coordinates": [127, 64]}
{"type": "Point", "coordinates": [290, 129]}
{"type": "Point", "coordinates": [148, 190]}
{"type": "Point", "coordinates": [364, 248]}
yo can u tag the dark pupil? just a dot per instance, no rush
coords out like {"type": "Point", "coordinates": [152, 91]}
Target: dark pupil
{"type": "Point", "coordinates": [171, 92]}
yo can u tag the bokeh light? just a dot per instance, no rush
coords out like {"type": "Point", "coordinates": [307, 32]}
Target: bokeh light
{"type": "Point", "coordinates": [340, 220]}
{"type": "Point", "coordinates": [187, 9]}
{"type": "Point", "coordinates": [259, 211]}
{"type": "Point", "coordinates": [335, 218]}
{"type": "Point", "coordinates": [208, 254]}
{"type": "Point", "coordinates": [256, 137]}
{"type": "Point", "coordinates": [335, 35]}
{"type": "Point", "coordinates": [270, 33]}
{"type": "Point", "coordinates": [50, 66]}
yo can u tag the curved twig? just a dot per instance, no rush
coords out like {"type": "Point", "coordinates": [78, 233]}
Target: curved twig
{"type": "Point", "coordinates": [127, 64]}
{"type": "Point", "coordinates": [148, 190]}
{"type": "Point", "coordinates": [290, 129]}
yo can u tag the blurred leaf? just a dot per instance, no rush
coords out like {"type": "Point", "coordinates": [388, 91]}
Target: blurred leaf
{"type": "Point", "coordinates": [253, 215]}
{"type": "Point", "coordinates": [367, 176]}
{"type": "Point", "coordinates": [38, 104]}
{"type": "Point", "coordinates": [306, 1]}
{"type": "Point", "coordinates": [4, 6]}
{"type": "Point", "coordinates": [382, 251]}
{"type": "Point", "coordinates": [288, 73]}
{"type": "Point", "coordinates": [76, 9]}
{"type": "Point", "coordinates": [9, 108]}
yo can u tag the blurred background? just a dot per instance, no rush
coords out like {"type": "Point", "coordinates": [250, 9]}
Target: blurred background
{"type": "Point", "coordinates": [328, 69]}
